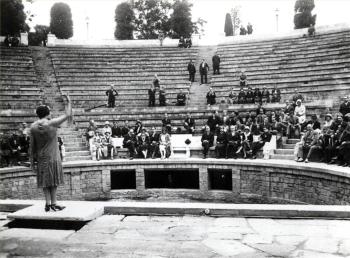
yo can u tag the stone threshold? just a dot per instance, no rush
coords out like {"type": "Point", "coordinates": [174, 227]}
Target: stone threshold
{"type": "Point", "coordinates": [87, 210]}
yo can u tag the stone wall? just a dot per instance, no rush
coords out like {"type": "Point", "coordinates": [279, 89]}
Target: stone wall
{"type": "Point", "coordinates": [260, 181]}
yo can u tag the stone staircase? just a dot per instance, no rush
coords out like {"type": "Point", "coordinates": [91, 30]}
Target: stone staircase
{"type": "Point", "coordinates": [51, 95]}
{"type": "Point", "coordinates": [198, 92]}
{"type": "Point", "coordinates": [287, 150]}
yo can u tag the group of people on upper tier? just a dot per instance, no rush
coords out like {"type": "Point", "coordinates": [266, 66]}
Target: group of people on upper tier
{"type": "Point", "coordinates": [245, 31]}
{"type": "Point", "coordinates": [204, 69]}
{"type": "Point", "coordinates": [185, 42]}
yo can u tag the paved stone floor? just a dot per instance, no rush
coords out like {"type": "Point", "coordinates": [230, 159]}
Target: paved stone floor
{"type": "Point", "coordinates": [156, 236]}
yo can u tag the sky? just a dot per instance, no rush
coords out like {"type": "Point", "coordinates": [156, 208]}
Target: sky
{"type": "Point", "coordinates": [260, 13]}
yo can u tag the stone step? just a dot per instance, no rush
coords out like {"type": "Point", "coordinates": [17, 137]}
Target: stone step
{"type": "Point", "coordinates": [284, 157]}
{"type": "Point", "coordinates": [78, 153]}
{"type": "Point", "coordinates": [293, 141]}
{"type": "Point", "coordinates": [288, 146]}
{"type": "Point", "coordinates": [77, 158]}
{"type": "Point", "coordinates": [75, 148]}
{"type": "Point", "coordinates": [284, 151]}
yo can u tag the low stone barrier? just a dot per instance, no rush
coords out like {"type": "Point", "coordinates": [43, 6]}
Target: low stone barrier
{"type": "Point", "coordinates": [260, 181]}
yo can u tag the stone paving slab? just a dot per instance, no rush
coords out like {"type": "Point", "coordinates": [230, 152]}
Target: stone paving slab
{"type": "Point", "coordinates": [74, 211]}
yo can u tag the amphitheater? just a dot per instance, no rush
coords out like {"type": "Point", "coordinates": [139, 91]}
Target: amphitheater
{"type": "Point", "coordinates": [272, 188]}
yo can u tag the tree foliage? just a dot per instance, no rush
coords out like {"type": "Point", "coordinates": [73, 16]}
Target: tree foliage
{"type": "Point", "coordinates": [198, 27]}
{"type": "Point", "coordinates": [303, 14]}
{"type": "Point", "coordinates": [151, 18]}
{"type": "Point", "coordinates": [61, 23]}
{"type": "Point", "coordinates": [12, 17]}
{"type": "Point", "coordinates": [124, 17]}
{"type": "Point", "coordinates": [228, 25]}
{"type": "Point", "coordinates": [39, 36]}
{"type": "Point", "coordinates": [236, 21]}
{"type": "Point", "coordinates": [181, 22]}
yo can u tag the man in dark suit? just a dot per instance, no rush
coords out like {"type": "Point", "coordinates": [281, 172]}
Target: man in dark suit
{"type": "Point", "coordinates": [203, 69]}
{"type": "Point", "coordinates": [151, 96]}
{"type": "Point", "coordinates": [345, 106]}
{"type": "Point", "coordinates": [130, 142]}
{"type": "Point", "coordinates": [111, 93]}
{"type": "Point", "coordinates": [143, 143]}
{"type": "Point", "coordinates": [207, 141]}
{"type": "Point", "coordinates": [221, 142]}
{"type": "Point", "coordinates": [191, 70]}
{"type": "Point", "coordinates": [166, 122]}
{"type": "Point", "coordinates": [189, 123]}
{"type": "Point", "coordinates": [214, 121]}
{"type": "Point", "coordinates": [216, 64]}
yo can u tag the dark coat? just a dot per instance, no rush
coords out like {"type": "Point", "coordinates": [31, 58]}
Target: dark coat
{"type": "Point", "coordinates": [208, 137]}
{"type": "Point", "coordinates": [111, 94]}
{"type": "Point", "coordinates": [216, 60]}
{"type": "Point", "coordinates": [191, 68]}
{"type": "Point", "coordinates": [203, 68]}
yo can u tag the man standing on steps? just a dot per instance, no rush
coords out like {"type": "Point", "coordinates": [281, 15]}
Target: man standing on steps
{"type": "Point", "coordinates": [111, 94]}
{"type": "Point", "coordinates": [203, 69]}
{"type": "Point", "coordinates": [191, 70]}
{"type": "Point", "coordinates": [216, 64]}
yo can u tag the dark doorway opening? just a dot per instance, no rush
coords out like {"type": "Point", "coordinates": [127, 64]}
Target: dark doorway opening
{"type": "Point", "coordinates": [220, 179]}
{"type": "Point", "coordinates": [172, 178]}
{"type": "Point", "coordinates": [123, 179]}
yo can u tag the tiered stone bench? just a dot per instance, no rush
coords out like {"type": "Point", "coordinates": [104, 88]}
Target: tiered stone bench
{"type": "Point", "coordinates": [317, 66]}
{"type": "Point", "coordinates": [86, 73]}
{"type": "Point", "coordinates": [19, 88]}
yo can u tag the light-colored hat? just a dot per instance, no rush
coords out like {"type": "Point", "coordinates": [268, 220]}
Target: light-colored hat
{"type": "Point", "coordinates": [298, 100]}
{"type": "Point", "coordinates": [247, 128]}
{"type": "Point", "coordinates": [329, 115]}
{"type": "Point", "coordinates": [107, 123]}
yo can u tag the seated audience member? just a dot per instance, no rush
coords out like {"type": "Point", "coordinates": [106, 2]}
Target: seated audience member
{"type": "Point", "coordinates": [329, 145]}
{"type": "Point", "coordinates": [106, 128]}
{"type": "Point", "coordinates": [151, 96]}
{"type": "Point", "coordinates": [61, 148]}
{"type": "Point", "coordinates": [211, 97]}
{"type": "Point", "coordinates": [337, 140]}
{"type": "Point", "coordinates": [249, 97]}
{"type": "Point", "coordinates": [90, 132]}
{"type": "Point", "coordinates": [247, 142]}
{"type": "Point", "coordinates": [257, 96]}
{"type": "Point", "coordinates": [221, 141]}
{"type": "Point", "coordinates": [143, 143]}
{"type": "Point", "coordinates": [181, 99]}
{"type": "Point", "coordinates": [345, 106]}
{"type": "Point", "coordinates": [5, 150]}
{"type": "Point", "coordinates": [216, 64]}
{"type": "Point", "coordinates": [107, 146]}
{"type": "Point", "coordinates": [97, 145]}
{"type": "Point", "coordinates": [314, 122]}
{"type": "Point", "coordinates": [328, 121]}
{"type": "Point", "coordinates": [214, 121]}
{"type": "Point", "coordinates": [242, 30]}
{"type": "Point", "coordinates": [311, 30]}
{"type": "Point", "coordinates": [233, 140]}
{"type": "Point", "coordinates": [344, 147]}
{"type": "Point", "coordinates": [164, 144]}
{"type": "Point", "coordinates": [293, 127]}
{"type": "Point", "coordinates": [7, 41]}
{"type": "Point", "coordinates": [189, 123]}
{"type": "Point", "coordinates": [182, 42]}
{"type": "Point", "coordinates": [225, 120]}
{"type": "Point", "coordinates": [154, 143]}
{"type": "Point", "coordinates": [242, 79]}
{"type": "Point", "coordinates": [232, 97]}
{"type": "Point", "coordinates": [24, 139]}
{"type": "Point", "coordinates": [300, 112]}
{"type": "Point", "coordinates": [338, 122]}
{"type": "Point", "coordinates": [125, 129]}
{"type": "Point", "coordinates": [162, 97]}
{"type": "Point", "coordinates": [130, 142]}
{"type": "Point", "coordinates": [249, 28]}
{"type": "Point", "coordinates": [116, 130]}
{"type": "Point", "coordinates": [188, 42]}
{"type": "Point", "coordinates": [166, 123]}
{"type": "Point", "coordinates": [315, 145]}
{"type": "Point", "coordinates": [275, 95]}
{"type": "Point", "coordinates": [302, 148]}
{"type": "Point", "coordinates": [156, 82]}
{"type": "Point", "coordinates": [241, 96]}
{"type": "Point", "coordinates": [265, 95]}
{"type": "Point", "coordinates": [289, 108]}
{"type": "Point", "coordinates": [138, 127]}
{"type": "Point", "coordinates": [264, 138]}
{"type": "Point", "coordinates": [297, 96]}
{"type": "Point", "coordinates": [207, 141]}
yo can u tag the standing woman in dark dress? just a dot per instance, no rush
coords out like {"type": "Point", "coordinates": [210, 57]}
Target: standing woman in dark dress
{"type": "Point", "coordinates": [44, 153]}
